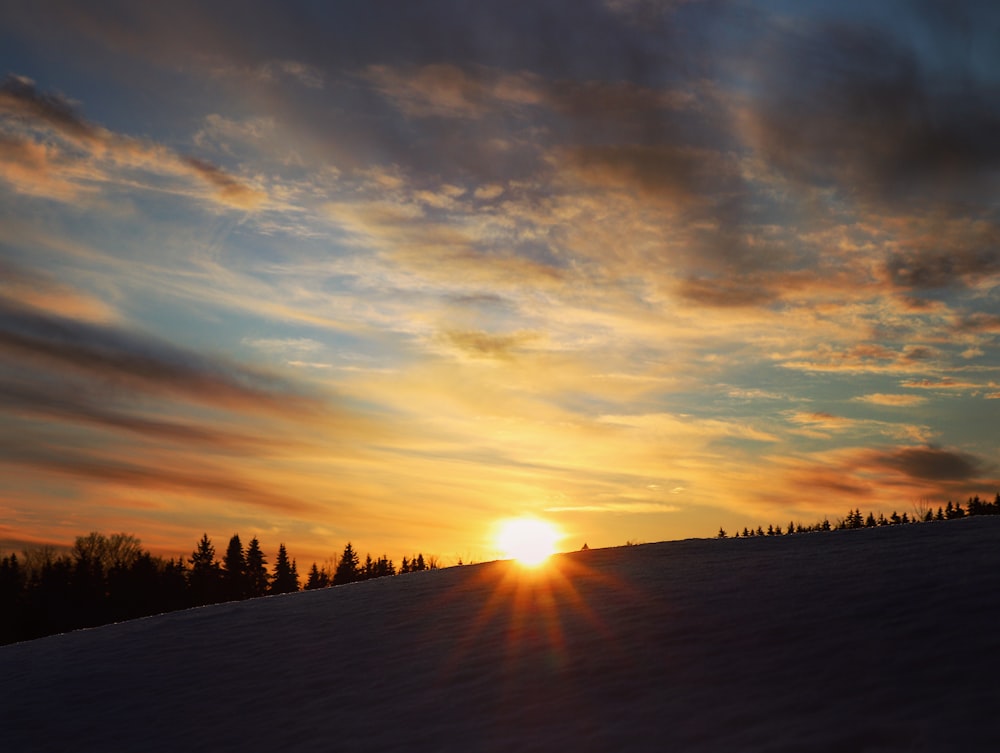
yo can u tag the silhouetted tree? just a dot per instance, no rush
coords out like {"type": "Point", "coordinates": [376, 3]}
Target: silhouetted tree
{"type": "Point", "coordinates": [135, 590]}
{"type": "Point", "coordinates": [12, 584]}
{"type": "Point", "coordinates": [174, 585]}
{"type": "Point", "coordinates": [234, 568]}
{"type": "Point", "coordinates": [88, 591]}
{"type": "Point", "coordinates": [317, 578]}
{"type": "Point", "coordinates": [347, 567]}
{"type": "Point", "coordinates": [205, 576]}
{"type": "Point", "coordinates": [722, 533]}
{"type": "Point", "coordinates": [285, 579]}
{"type": "Point", "coordinates": [257, 578]}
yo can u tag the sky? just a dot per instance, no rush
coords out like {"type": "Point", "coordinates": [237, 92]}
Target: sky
{"type": "Point", "coordinates": [391, 272]}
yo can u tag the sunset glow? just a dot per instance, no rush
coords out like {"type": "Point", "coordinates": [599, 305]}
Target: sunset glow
{"type": "Point", "coordinates": [381, 272]}
{"type": "Point", "coordinates": [528, 540]}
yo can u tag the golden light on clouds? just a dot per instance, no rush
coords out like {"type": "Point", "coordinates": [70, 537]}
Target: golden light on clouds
{"type": "Point", "coordinates": [351, 277]}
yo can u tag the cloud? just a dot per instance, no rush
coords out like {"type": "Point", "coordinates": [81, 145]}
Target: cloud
{"type": "Point", "coordinates": [19, 98]}
{"type": "Point", "coordinates": [728, 293]}
{"type": "Point", "coordinates": [619, 508]}
{"type": "Point", "coordinates": [34, 169]}
{"type": "Point", "coordinates": [93, 154]}
{"type": "Point", "coordinates": [979, 321]}
{"type": "Point", "coordinates": [116, 356]}
{"type": "Point", "coordinates": [821, 419]}
{"type": "Point", "coordinates": [680, 174]}
{"type": "Point", "coordinates": [445, 90]}
{"type": "Point", "coordinates": [230, 191]}
{"type": "Point", "coordinates": [895, 401]}
{"type": "Point", "coordinates": [486, 345]}
{"type": "Point", "coordinates": [270, 71]}
{"type": "Point", "coordinates": [868, 357]}
{"type": "Point", "coordinates": [39, 291]}
{"type": "Point", "coordinates": [853, 106]}
{"type": "Point", "coordinates": [930, 463]}
{"type": "Point", "coordinates": [187, 477]}
{"type": "Point", "coordinates": [945, 254]}
{"type": "Point", "coordinates": [945, 383]}
{"type": "Point", "coordinates": [45, 400]}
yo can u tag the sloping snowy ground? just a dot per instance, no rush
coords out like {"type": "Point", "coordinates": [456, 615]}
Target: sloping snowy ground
{"type": "Point", "coordinates": [871, 640]}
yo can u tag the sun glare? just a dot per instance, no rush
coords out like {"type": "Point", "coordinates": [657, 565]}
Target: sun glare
{"type": "Point", "coordinates": [530, 541]}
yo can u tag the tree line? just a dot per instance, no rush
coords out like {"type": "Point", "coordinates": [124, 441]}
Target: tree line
{"type": "Point", "coordinates": [110, 578]}
{"type": "Point", "coordinates": [854, 519]}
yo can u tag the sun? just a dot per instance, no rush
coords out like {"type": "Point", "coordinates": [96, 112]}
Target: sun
{"type": "Point", "coordinates": [530, 541]}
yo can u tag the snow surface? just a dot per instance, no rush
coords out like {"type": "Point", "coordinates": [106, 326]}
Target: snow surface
{"type": "Point", "coordinates": [872, 640]}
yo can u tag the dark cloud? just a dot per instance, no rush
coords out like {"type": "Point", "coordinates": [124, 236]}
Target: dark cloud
{"type": "Point", "coordinates": [979, 322]}
{"type": "Point", "coordinates": [952, 261]}
{"type": "Point", "coordinates": [931, 463]}
{"type": "Point", "coordinates": [679, 174]}
{"type": "Point", "coordinates": [19, 97]}
{"type": "Point", "coordinates": [853, 106]}
{"type": "Point", "coordinates": [125, 359]}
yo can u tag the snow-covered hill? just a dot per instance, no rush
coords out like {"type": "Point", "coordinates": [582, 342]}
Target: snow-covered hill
{"type": "Point", "coordinates": [871, 640]}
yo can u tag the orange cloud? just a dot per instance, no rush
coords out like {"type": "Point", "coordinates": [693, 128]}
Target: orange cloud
{"type": "Point", "coordinates": [28, 164]}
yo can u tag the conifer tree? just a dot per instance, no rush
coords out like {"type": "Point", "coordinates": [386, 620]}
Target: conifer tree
{"type": "Point", "coordinates": [257, 578]}
{"type": "Point", "coordinates": [285, 579]}
{"type": "Point", "coordinates": [205, 576]}
{"type": "Point", "coordinates": [234, 566]}
{"type": "Point", "coordinates": [347, 568]}
{"type": "Point", "coordinates": [317, 578]}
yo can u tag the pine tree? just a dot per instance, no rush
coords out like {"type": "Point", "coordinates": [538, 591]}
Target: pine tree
{"type": "Point", "coordinates": [317, 578]}
{"type": "Point", "coordinates": [257, 578]}
{"type": "Point", "coordinates": [234, 567]}
{"type": "Point", "coordinates": [347, 568]}
{"type": "Point", "coordinates": [286, 578]}
{"type": "Point", "coordinates": [205, 576]}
